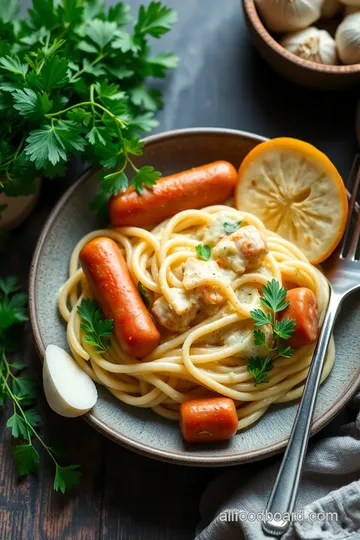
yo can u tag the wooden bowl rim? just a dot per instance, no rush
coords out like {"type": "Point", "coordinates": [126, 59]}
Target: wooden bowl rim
{"type": "Point", "coordinates": [251, 11]}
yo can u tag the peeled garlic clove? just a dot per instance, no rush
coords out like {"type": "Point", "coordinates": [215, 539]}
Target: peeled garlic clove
{"type": "Point", "coordinates": [312, 44]}
{"type": "Point", "coordinates": [347, 39]}
{"type": "Point", "coordinates": [69, 391]}
{"type": "Point", "coordinates": [330, 8]}
{"type": "Point", "coordinates": [289, 15]}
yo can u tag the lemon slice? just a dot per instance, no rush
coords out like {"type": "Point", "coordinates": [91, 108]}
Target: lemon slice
{"type": "Point", "coordinates": [297, 192]}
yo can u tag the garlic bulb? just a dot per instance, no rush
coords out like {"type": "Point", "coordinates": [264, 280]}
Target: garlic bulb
{"type": "Point", "coordinates": [348, 39]}
{"type": "Point", "coordinates": [289, 15]}
{"type": "Point", "coordinates": [312, 44]}
{"type": "Point", "coordinates": [330, 8]}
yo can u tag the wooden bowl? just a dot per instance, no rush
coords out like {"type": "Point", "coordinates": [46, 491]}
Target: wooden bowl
{"type": "Point", "coordinates": [292, 67]}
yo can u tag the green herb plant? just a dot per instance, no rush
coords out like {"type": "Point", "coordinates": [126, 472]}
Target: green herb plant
{"type": "Point", "coordinates": [19, 389]}
{"type": "Point", "coordinates": [73, 82]}
{"type": "Point", "coordinates": [274, 300]}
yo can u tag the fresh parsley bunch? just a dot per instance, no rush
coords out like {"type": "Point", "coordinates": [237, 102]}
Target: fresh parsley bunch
{"type": "Point", "coordinates": [72, 82]}
{"type": "Point", "coordinates": [20, 390]}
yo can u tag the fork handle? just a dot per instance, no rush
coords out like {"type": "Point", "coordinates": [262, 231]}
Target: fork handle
{"type": "Point", "coordinates": [283, 496]}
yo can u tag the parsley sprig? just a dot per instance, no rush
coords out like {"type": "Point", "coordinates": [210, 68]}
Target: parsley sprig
{"type": "Point", "coordinates": [20, 390]}
{"type": "Point", "coordinates": [97, 329]}
{"type": "Point", "coordinates": [73, 82]}
{"type": "Point", "coordinates": [274, 300]}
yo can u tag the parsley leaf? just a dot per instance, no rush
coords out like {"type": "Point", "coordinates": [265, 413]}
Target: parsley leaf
{"type": "Point", "coordinates": [125, 42]}
{"type": "Point", "coordinates": [259, 337]}
{"type": "Point", "coordinates": [44, 146]}
{"type": "Point", "coordinates": [156, 66]}
{"type": "Point", "coordinates": [120, 14]}
{"type": "Point", "coordinates": [145, 177]}
{"type": "Point", "coordinates": [150, 99]}
{"type": "Point", "coordinates": [134, 146]}
{"type": "Point", "coordinates": [12, 310]}
{"type": "Point", "coordinates": [100, 32]}
{"type": "Point", "coordinates": [8, 10]}
{"type": "Point", "coordinates": [113, 183]}
{"type": "Point", "coordinates": [79, 115]}
{"type": "Point", "coordinates": [285, 351]}
{"type": "Point", "coordinates": [33, 417]}
{"type": "Point", "coordinates": [155, 20]}
{"type": "Point", "coordinates": [54, 73]}
{"type": "Point", "coordinates": [260, 369]}
{"type": "Point", "coordinates": [24, 387]}
{"type": "Point", "coordinates": [26, 459]}
{"type": "Point", "coordinates": [231, 227]}
{"type": "Point", "coordinates": [9, 285]}
{"type": "Point", "coordinates": [31, 104]}
{"type": "Point", "coordinates": [274, 296]}
{"type": "Point", "coordinates": [285, 328]}
{"type": "Point", "coordinates": [66, 477]}
{"type": "Point", "coordinates": [144, 295]}
{"type": "Point", "coordinates": [17, 364]}
{"type": "Point", "coordinates": [43, 13]}
{"type": "Point", "coordinates": [260, 318]}
{"type": "Point", "coordinates": [96, 328]}
{"type": "Point", "coordinates": [143, 122]}
{"type": "Point", "coordinates": [14, 65]}
{"type": "Point", "coordinates": [203, 251]}
{"type": "Point", "coordinates": [17, 426]}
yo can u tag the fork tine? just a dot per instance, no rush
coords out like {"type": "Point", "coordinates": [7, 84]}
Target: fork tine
{"type": "Point", "coordinates": [355, 239]}
{"type": "Point", "coordinates": [354, 170]}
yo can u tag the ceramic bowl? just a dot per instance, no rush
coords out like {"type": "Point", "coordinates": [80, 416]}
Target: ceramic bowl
{"type": "Point", "coordinates": [140, 429]}
{"type": "Point", "coordinates": [292, 67]}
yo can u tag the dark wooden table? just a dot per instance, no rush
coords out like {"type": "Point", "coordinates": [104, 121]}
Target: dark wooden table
{"type": "Point", "coordinates": [220, 82]}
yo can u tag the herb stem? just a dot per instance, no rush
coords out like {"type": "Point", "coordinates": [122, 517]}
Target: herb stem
{"type": "Point", "coordinates": [92, 87]}
{"type": "Point", "coordinates": [86, 104]}
{"type": "Point", "coordinates": [133, 166]}
{"type": "Point", "coordinates": [16, 404]}
{"type": "Point", "coordinates": [14, 157]}
{"type": "Point", "coordinates": [93, 63]}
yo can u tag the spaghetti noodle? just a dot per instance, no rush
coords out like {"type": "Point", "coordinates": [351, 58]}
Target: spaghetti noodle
{"type": "Point", "coordinates": [211, 355]}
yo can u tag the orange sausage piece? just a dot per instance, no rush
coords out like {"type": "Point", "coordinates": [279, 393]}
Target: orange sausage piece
{"type": "Point", "coordinates": [108, 275]}
{"type": "Point", "coordinates": [304, 310]}
{"type": "Point", "coordinates": [195, 188]}
{"type": "Point", "coordinates": [208, 420]}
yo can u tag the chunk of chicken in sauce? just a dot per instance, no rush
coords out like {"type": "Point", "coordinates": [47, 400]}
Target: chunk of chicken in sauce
{"type": "Point", "coordinates": [216, 231]}
{"type": "Point", "coordinates": [198, 276]}
{"type": "Point", "coordinates": [245, 249]}
{"type": "Point", "coordinates": [167, 317]}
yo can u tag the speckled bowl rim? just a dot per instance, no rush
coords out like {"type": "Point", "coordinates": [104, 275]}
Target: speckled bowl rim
{"type": "Point", "coordinates": [251, 11]}
{"type": "Point", "coordinates": [101, 426]}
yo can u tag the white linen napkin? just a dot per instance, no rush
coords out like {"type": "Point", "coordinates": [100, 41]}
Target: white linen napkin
{"type": "Point", "coordinates": [328, 503]}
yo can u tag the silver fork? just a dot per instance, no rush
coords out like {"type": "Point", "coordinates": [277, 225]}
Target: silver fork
{"type": "Point", "coordinates": [342, 270]}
